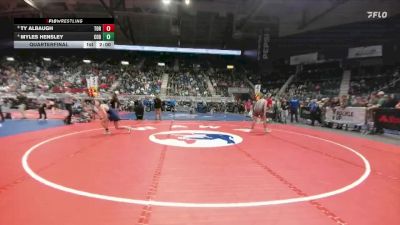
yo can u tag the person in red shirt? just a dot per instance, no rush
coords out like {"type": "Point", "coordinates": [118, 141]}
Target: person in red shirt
{"type": "Point", "coordinates": [248, 106]}
{"type": "Point", "coordinates": [268, 103]}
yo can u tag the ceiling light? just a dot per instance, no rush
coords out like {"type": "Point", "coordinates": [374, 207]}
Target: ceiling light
{"type": "Point", "coordinates": [31, 3]}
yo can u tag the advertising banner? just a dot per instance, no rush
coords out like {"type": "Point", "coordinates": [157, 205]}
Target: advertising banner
{"type": "Point", "coordinates": [304, 59]}
{"type": "Point", "coordinates": [368, 51]}
{"type": "Point", "coordinates": [348, 115]}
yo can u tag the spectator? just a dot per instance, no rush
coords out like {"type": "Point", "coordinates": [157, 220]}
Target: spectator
{"type": "Point", "coordinates": [285, 110]}
{"type": "Point", "coordinates": [67, 73]}
{"type": "Point", "coordinates": [115, 103]}
{"type": "Point", "coordinates": [139, 110]}
{"type": "Point", "coordinates": [248, 105]}
{"type": "Point", "coordinates": [157, 107]}
{"type": "Point", "coordinates": [379, 103]}
{"type": "Point", "coordinates": [315, 112]}
{"type": "Point", "coordinates": [344, 101]}
{"type": "Point", "coordinates": [390, 101]}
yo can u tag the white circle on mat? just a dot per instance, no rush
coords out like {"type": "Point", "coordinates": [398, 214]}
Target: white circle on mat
{"type": "Point", "coordinates": [358, 181]}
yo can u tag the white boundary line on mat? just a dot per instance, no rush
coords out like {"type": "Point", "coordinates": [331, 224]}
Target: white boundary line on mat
{"type": "Point", "coordinates": [42, 180]}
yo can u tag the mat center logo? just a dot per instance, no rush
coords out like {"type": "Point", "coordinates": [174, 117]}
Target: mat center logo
{"type": "Point", "coordinates": [195, 138]}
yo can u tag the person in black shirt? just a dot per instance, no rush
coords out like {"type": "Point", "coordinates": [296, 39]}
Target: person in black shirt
{"type": "Point", "coordinates": [157, 107]}
{"type": "Point", "coordinates": [115, 103]}
{"type": "Point", "coordinates": [139, 110]}
{"type": "Point", "coordinates": [315, 112]}
{"type": "Point", "coordinates": [284, 111]}
{"type": "Point", "coordinates": [42, 108]}
{"type": "Point", "coordinates": [390, 101]}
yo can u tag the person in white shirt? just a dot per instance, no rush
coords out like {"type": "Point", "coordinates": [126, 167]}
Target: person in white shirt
{"type": "Point", "coordinates": [68, 101]}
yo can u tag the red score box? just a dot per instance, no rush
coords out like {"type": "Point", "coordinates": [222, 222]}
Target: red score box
{"type": "Point", "coordinates": [108, 27]}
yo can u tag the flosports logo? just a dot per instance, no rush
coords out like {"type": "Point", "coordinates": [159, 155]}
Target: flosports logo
{"type": "Point", "coordinates": [195, 138]}
{"type": "Point", "coordinates": [377, 14]}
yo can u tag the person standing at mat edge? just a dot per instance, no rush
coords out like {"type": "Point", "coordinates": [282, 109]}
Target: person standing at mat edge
{"type": "Point", "coordinates": [259, 112]}
{"type": "Point", "coordinates": [42, 107]}
{"type": "Point", "coordinates": [139, 110]}
{"type": "Point", "coordinates": [22, 100]}
{"type": "Point", "coordinates": [115, 103]}
{"type": "Point", "coordinates": [157, 107]}
{"type": "Point", "coordinates": [68, 101]}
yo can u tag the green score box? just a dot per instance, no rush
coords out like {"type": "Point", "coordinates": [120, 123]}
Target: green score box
{"type": "Point", "coordinates": [108, 36]}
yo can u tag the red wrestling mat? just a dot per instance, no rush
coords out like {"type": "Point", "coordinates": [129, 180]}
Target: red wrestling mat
{"type": "Point", "coordinates": [197, 173]}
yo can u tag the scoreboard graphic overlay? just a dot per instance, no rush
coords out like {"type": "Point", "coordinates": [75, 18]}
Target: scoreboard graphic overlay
{"type": "Point", "coordinates": [95, 33]}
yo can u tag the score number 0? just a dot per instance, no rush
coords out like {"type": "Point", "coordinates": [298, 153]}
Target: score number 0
{"type": "Point", "coordinates": [108, 27]}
